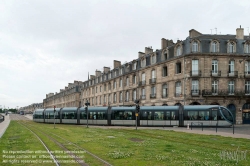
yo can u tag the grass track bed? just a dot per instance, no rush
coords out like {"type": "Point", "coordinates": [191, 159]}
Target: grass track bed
{"type": "Point", "coordinates": [141, 147]}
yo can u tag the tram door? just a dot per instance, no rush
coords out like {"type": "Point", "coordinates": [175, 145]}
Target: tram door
{"type": "Point", "coordinates": [246, 116]}
{"type": "Point", "coordinates": [181, 119]}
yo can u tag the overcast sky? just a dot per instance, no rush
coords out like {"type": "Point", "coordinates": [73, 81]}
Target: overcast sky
{"type": "Point", "coordinates": [46, 44]}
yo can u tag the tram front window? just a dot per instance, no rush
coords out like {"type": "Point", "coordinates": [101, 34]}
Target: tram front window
{"type": "Point", "coordinates": [227, 114]}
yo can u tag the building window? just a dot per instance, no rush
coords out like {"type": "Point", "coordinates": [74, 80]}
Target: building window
{"type": "Point", "coordinates": [143, 62]}
{"type": "Point", "coordinates": [127, 96]}
{"type": "Point", "coordinates": [247, 87]}
{"type": "Point", "coordinates": [214, 46]}
{"type": "Point", "coordinates": [164, 71]}
{"type": "Point", "coordinates": [100, 99]}
{"type": "Point", "coordinates": [104, 87]}
{"type": "Point", "coordinates": [114, 85]}
{"type": "Point", "coordinates": [96, 89]}
{"type": "Point", "coordinates": [231, 68]}
{"type": "Point", "coordinates": [143, 96]}
{"type": "Point", "coordinates": [153, 59]}
{"type": "Point", "coordinates": [178, 89]}
{"type": "Point", "coordinates": [134, 66]}
{"type": "Point", "coordinates": [134, 94]}
{"type": "Point", "coordinates": [195, 87]}
{"type": "Point", "coordinates": [134, 79]}
{"type": "Point", "coordinates": [195, 67]}
{"type": "Point", "coordinates": [109, 98]}
{"type": "Point", "coordinates": [247, 48]}
{"type": "Point", "coordinates": [178, 67]}
{"type": "Point", "coordinates": [120, 71]}
{"type": "Point", "coordinates": [164, 90]}
{"type": "Point", "coordinates": [195, 46]}
{"type": "Point", "coordinates": [153, 74]}
{"type": "Point", "coordinates": [215, 87]}
{"type": "Point", "coordinates": [153, 92]}
{"type": "Point", "coordinates": [247, 67]}
{"type": "Point", "coordinates": [127, 81]}
{"type": "Point", "coordinates": [231, 47]}
{"type": "Point", "coordinates": [120, 96]}
{"type": "Point", "coordinates": [105, 100]}
{"type": "Point", "coordinates": [231, 87]}
{"type": "Point", "coordinates": [115, 98]}
{"type": "Point", "coordinates": [100, 88]}
{"type": "Point", "coordinates": [100, 78]}
{"type": "Point", "coordinates": [120, 83]}
{"type": "Point", "coordinates": [109, 86]}
{"type": "Point", "coordinates": [214, 67]}
{"type": "Point", "coordinates": [96, 80]}
{"type": "Point", "coordinates": [178, 50]}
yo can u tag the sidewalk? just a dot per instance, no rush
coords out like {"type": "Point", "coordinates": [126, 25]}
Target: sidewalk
{"type": "Point", "coordinates": [4, 125]}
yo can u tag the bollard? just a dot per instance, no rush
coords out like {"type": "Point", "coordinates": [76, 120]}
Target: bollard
{"type": "Point", "coordinates": [188, 126]}
{"type": "Point", "coordinates": [3, 118]}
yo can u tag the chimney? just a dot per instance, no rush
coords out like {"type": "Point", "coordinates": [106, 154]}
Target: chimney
{"type": "Point", "coordinates": [97, 73]}
{"type": "Point", "coordinates": [117, 64]}
{"type": "Point", "coordinates": [140, 54]}
{"type": "Point", "coordinates": [148, 50]}
{"type": "Point", "coordinates": [66, 87]}
{"type": "Point", "coordinates": [193, 33]}
{"type": "Point", "coordinates": [240, 33]}
{"type": "Point", "coordinates": [163, 43]}
{"type": "Point", "coordinates": [75, 82]}
{"type": "Point", "coordinates": [106, 69]}
{"type": "Point", "coordinates": [92, 77]}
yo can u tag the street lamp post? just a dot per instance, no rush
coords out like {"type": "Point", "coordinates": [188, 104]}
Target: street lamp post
{"type": "Point", "coordinates": [86, 109]}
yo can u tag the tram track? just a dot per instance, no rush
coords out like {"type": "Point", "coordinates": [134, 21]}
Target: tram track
{"type": "Point", "coordinates": [78, 160]}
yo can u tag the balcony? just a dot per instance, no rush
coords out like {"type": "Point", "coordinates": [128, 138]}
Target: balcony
{"type": "Point", "coordinates": [178, 95]}
{"type": "Point", "coordinates": [164, 95]}
{"type": "Point", "coordinates": [215, 73]}
{"type": "Point", "coordinates": [142, 83]}
{"type": "Point", "coordinates": [152, 81]}
{"type": "Point", "coordinates": [143, 97]}
{"type": "Point", "coordinates": [195, 92]}
{"type": "Point", "coordinates": [224, 92]}
{"type": "Point", "coordinates": [247, 74]}
{"type": "Point", "coordinates": [195, 73]}
{"type": "Point", "coordinates": [232, 73]}
{"type": "Point", "coordinates": [153, 95]}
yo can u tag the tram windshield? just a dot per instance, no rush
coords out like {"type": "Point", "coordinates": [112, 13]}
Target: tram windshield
{"type": "Point", "coordinates": [227, 115]}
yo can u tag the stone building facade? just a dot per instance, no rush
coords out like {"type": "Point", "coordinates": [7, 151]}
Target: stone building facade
{"type": "Point", "coordinates": [203, 69]}
{"type": "Point", "coordinates": [31, 108]}
{"type": "Point", "coordinates": [67, 97]}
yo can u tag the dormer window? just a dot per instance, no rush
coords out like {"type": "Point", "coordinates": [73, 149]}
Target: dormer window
{"type": "Point", "coordinates": [143, 62]}
{"type": "Point", "coordinates": [120, 71]}
{"type": "Point", "coordinates": [153, 59]}
{"type": "Point", "coordinates": [178, 50]}
{"type": "Point", "coordinates": [215, 46]}
{"type": "Point", "coordinates": [195, 46]}
{"type": "Point", "coordinates": [134, 66]}
{"type": "Point", "coordinates": [247, 48]}
{"type": "Point", "coordinates": [231, 47]}
{"type": "Point", "coordinates": [110, 75]}
{"type": "Point", "coordinates": [101, 79]}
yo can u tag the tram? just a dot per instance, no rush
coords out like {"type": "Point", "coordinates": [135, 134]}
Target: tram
{"type": "Point", "coordinates": [207, 115]}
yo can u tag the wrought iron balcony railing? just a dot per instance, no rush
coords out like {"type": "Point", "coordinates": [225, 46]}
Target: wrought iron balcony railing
{"type": "Point", "coordinates": [195, 92]}
{"type": "Point", "coordinates": [224, 92]}
{"type": "Point", "coordinates": [143, 97]}
{"type": "Point", "coordinates": [164, 95]}
{"type": "Point", "coordinates": [232, 73]}
{"type": "Point", "coordinates": [153, 95]}
{"type": "Point", "coordinates": [247, 74]}
{"type": "Point", "coordinates": [214, 73]}
{"type": "Point", "coordinates": [152, 81]}
{"type": "Point", "coordinates": [142, 83]}
{"type": "Point", "coordinates": [195, 73]}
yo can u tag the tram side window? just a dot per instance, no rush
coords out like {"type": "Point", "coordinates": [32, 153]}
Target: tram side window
{"type": "Point", "coordinates": [83, 115]}
{"type": "Point", "coordinates": [92, 115]}
{"type": "Point", "coordinates": [173, 116]}
{"type": "Point", "coordinates": [39, 116]}
{"type": "Point", "coordinates": [203, 115]}
{"type": "Point", "coordinates": [192, 115]}
{"type": "Point", "coordinates": [168, 117]}
{"type": "Point", "coordinates": [214, 115]}
{"type": "Point", "coordinates": [69, 115]}
{"type": "Point", "coordinates": [147, 115]}
{"type": "Point", "coordinates": [123, 115]}
{"type": "Point", "coordinates": [159, 115]}
{"type": "Point", "coordinates": [101, 115]}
